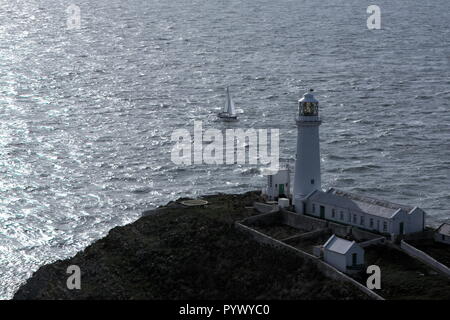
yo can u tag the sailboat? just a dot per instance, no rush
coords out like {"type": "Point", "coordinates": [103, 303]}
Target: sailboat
{"type": "Point", "coordinates": [229, 112]}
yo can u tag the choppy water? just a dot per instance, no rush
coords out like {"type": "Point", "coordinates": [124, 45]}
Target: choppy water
{"type": "Point", "coordinates": [86, 115]}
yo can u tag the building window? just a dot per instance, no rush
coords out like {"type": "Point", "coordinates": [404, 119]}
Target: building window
{"type": "Point", "coordinates": [355, 219]}
{"type": "Point", "coordinates": [312, 181]}
{"type": "Point", "coordinates": [443, 238]}
{"type": "Point", "coordinates": [378, 224]}
{"type": "Point", "coordinates": [384, 226]}
{"type": "Point", "coordinates": [349, 217]}
{"type": "Point", "coordinates": [314, 208]}
{"type": "Point", "coordinates": [371, 222]}
{"type": "Point", "coordinates": [342, 215]}
{"type": "Point", "coordinates": [276, 185]}
{"type": "Point", "coordinates": [270, 180]}
{"type": "Point", "coordinates": [361, 221]}
{"type": "Point", "coordinates": [333, 213]}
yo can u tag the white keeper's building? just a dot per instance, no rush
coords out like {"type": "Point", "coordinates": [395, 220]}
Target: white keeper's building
{"type": "Point", "coordinates": [279, 184]}
{"type": "Point", "coordinates": [335, 205]}
{"type": "Point", "coordinates": [364, 212]}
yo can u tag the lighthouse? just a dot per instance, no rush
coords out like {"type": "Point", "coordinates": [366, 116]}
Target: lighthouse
{"type": "Point", "coordinates": [307, 159]}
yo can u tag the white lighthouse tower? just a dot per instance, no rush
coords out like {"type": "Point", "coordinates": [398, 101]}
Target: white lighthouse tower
{"type": "Point", "coordinates": [307, 162]}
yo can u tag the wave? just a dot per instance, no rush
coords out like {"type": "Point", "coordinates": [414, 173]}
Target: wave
{"type": "Point", "coordinates": [142, 190]}
{"type": "Point", "coordinates": [249, 171]}
{"type": "Point", "coordinates": [362, 168]}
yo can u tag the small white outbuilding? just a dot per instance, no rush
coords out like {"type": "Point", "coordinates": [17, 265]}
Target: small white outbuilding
{"type": "Point", "coordinates": [346, 256]}
{"type": "Point", "coordinates": [442, 234]}
{"type": "Point", "coordinates": [278, 185]}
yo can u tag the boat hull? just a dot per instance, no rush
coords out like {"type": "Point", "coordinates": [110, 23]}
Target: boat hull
{"type": "Point", "coordinates": [227, 117]}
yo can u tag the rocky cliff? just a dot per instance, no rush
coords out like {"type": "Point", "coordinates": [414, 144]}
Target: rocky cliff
{"type": "Point", "coordinates": [178, 252]}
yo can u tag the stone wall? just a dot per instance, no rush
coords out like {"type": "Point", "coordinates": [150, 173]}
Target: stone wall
{"type": "Point", "coordinates": [301, 221]}
{"type": "Point", "coordinates": [307, 235]}
{"type": "Point", "coordinates": [361, 235]}
{"type": "Point", "coordinates": [428, 234]}
{"type": "Point", "coordinates": [326, 269]}
{"type": "Point", "coordinates": [372, 242]}
{"type": "Point", "coordinates": [339, 229]}
{"type": "Point", "coordinates": [264, 207]}
{"type": "Point", "coordinates": [425, 258]}
{"type": "Point", "coordinates": [263, 219]}
{"type": "Point", "coordinates": [309, 223]}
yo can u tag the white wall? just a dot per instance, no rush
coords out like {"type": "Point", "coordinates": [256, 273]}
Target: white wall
{"type": "Point", "coordinates": [400, 216]}
{"type": "Point", "coordinates": [337, 260]}
{"type": "Point", "coordinates": [416, 220]}
{"type": "Point", "coordinates": [281, 177]}
{"type": "Point", "coordinates": [378, 224]}
{"type": "Point", "coordinates": [359, 255]}
{"type": "Point", "coordinates": [307, 162]}
{"type": "Point", "coordinates": [346, 213]}
{"type": "Point", "coordinates": [412, 222]}
{"type": "Point", "coordinates": [341, 261]}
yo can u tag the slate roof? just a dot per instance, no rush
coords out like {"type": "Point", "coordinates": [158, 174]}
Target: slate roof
{"type": "Point", "coordinates": [444, 229]}
{"type": "Point", "coordinates": [355, 202]}
{"type": "Point", "coordinates": [338, 245]}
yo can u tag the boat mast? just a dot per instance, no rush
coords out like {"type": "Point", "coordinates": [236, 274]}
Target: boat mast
{"type": "Point", "coordinates": [228, 101]}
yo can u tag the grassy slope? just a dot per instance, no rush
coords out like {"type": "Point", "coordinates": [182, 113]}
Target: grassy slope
{"type": "Point", "coordinates": [186, 253]}
{"type": "Point", "coordinates": [403, 277]}
{"type": "Point", "coordinates": [437, 250]}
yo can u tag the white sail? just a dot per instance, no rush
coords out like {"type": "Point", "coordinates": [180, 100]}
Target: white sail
{"type": "Point", "coordinates": [230, 108]}
{"type": "Point", "coordinates": [229, 111]}
{"type": "Point", "coordinates": [227, 103]}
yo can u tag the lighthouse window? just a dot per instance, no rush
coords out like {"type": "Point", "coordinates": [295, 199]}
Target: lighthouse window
{"type": "Point", "coordinates": [310, 108]}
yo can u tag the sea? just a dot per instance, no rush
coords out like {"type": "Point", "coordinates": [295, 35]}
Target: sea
{"type": "Point", "coordinates": [91, 93]}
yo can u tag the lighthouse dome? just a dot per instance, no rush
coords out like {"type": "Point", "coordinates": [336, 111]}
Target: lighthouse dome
{"type": "Point", "coordinates": [308, 105]}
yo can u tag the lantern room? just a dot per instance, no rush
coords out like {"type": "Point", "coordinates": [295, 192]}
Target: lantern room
{"type": "Point", "coordinates": [308, 105]}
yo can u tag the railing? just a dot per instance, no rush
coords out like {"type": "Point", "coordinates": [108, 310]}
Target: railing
{"type": "Point", "coordinates": [308, 118]}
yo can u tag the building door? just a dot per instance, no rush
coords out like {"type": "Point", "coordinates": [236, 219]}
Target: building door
{"type": "Point", "coordinates": [322, 212]}
{"type": "Point", "coordinates": [354, 259]}
{"type": "Point", "coordinates": [401, 228]}
{"type": "Point", "coordinates": [281, 190]}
